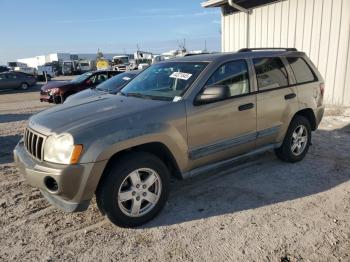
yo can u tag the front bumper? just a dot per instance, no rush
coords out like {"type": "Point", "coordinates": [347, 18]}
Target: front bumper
{"type": "Point", "coordinates": [75, 185]}
{"type": "Point", "coordinates": [46, 98]}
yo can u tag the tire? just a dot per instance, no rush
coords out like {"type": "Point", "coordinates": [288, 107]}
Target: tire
{"type": "Point", "coordinates": [120, 178]}
{"type": "Point", "coordinates": [24, 86]}
{"type": "Point", "coordinates": [296, 142]}
{"type": "Point", "coordinates": [64, 97]}
{"type": "Point", "coordinates": [57, 100]}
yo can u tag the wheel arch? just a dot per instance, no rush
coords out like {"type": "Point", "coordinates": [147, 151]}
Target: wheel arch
{"type": "Point", "coordinates": [309, 114]}
{"type": "Point", "coordinates": [158, 149]}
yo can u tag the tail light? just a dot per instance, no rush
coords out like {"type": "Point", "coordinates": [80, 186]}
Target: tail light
{"type": "Point", "coordinates": [322, 89]}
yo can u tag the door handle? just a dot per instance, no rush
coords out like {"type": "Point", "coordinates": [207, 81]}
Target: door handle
{"type": "Point", "coordinates": [246, 107]}
{"type": "Point", "coordinates": [290, 96]}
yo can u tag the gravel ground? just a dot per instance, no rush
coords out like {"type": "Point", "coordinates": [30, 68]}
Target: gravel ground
{"type": "Point", "coordinates": [259, 210]}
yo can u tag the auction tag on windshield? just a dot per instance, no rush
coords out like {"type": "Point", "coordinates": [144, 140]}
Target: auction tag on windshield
{"type": "Point", "coordinates": [180, 75]}
{"type": "Point", "coordinates": [126, 78]}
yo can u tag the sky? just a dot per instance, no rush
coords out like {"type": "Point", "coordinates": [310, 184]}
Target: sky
{"type": "Point", "coordinates": [38, 27]}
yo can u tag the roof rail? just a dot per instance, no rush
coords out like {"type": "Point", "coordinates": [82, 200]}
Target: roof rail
{"type": "Point", "coordinates": [243, 50]}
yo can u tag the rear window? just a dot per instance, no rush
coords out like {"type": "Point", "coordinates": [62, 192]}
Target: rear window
{"type": "Point", "coordinates": [301, 70]}
{"type": "Point", "coordinates": [270, 73]}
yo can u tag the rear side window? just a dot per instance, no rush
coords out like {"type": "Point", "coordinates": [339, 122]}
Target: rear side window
{"type": "Point", "coordinates": [234, 75]}
{"type": "Point", "coordinates": [301, 70]}
{"type": "Point", "coordinates": [270, 73]}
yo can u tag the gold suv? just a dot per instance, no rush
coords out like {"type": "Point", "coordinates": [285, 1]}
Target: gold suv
{"type": "Point", "coordinates": [180, 117]}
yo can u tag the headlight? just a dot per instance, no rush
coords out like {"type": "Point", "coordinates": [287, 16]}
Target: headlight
{"type": "Point", "coordinates": [54, 91]}
{"type": "Point", "coordinates": [60, 149]}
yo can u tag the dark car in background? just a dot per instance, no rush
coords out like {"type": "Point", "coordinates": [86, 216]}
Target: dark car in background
{"type": "Point", "coordinates": [58, 91]}
{"type": "Point", "coordinates": [111, 86]}
{"type": "Point", "coordinates": [16, 80]}
{"type": "Point", "coordinates": [4, 69]}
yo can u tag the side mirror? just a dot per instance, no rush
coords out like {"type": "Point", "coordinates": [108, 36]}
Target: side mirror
{"type": "Point", "coordinates": [212, 93]}
{"type": "Point", "coordinates": [89, 82]}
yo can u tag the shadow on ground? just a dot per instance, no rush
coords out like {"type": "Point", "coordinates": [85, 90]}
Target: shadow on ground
{"type": "Point", "coordinates": [7, 144]}
{"type": "Point", "coordinates": [260, 181]}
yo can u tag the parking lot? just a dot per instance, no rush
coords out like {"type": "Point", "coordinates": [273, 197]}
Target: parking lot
{"type": "Point", "coordinates": [258, 210]}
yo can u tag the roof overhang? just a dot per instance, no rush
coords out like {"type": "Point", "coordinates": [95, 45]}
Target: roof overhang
{"type": "Point", "coordinates": [213, 3]}
{"type": "Point", "coordinates": [239, 5]}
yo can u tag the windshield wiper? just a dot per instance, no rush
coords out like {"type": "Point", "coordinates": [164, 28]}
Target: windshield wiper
{"type": "Point", "coordinates": [148, 96]}
{"type": "Point", "coordinates": [135, 95]}
{"type": "Point", "coordinates": [102, 90]}
{"type": "Point", "coordinates": [123, 94]}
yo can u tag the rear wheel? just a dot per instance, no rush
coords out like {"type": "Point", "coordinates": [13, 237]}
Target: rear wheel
{"type": "Point", "coordinates": [134, 189]}
{"type": "Point", "coordinates": [296, 142]}
{"type": "Point", "coordinates": [24, 86]}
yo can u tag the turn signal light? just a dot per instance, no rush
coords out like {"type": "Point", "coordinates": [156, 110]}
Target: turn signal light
{"type": "Point", "coordinates": [76, 154]}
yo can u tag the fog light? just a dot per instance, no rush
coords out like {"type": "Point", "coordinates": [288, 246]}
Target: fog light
{"type": "Point", "coordinates": [51, 183]}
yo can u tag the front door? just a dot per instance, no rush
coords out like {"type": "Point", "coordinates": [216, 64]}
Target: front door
{"type": "Point", "coordinates": [227, 128]}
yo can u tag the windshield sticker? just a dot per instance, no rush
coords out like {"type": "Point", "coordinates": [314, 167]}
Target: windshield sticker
{"type": "Point", "coordinates": [180, 75]}
{"type": "Point", "coordinates": [177, 98]}
{"type": "Point", "coordinates": [126, 78]}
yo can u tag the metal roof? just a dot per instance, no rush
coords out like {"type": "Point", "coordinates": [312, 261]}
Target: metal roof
{"type": "Point", "coordinates": [247, 4]}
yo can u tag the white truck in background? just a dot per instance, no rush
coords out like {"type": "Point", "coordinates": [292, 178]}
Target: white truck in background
{"type": "Point", "coordinates": [85, 66]}
{"type": "Point", "coordinates": [142, 60]}
{"type": "Point", "coordinates": [121, 63]}
{"type": "Point", "coordinates": [45, 72]}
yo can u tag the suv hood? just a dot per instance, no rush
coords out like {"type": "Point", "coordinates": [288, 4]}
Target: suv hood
{"type": "Point", "coordinates": [89, 112]}
{"type": "Point", "coordinates": [55, 84]}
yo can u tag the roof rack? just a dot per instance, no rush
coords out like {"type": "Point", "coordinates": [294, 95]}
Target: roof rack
{"type": "Point", "coordinates": [243, 50]}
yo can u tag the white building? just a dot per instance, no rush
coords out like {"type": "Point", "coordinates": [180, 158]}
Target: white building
{"type": "Point", "coordinates": [60, 57]}
{"type": "Point", "coordinates": [320, 28]}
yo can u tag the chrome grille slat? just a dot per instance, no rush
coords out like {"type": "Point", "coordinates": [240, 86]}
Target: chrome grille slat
{"type": "Point", "coordinates": [30, 142]}
{"type": "Point", "coordinates": [34, 144]}
{"type": "Point", "coordinates": [36, 147]}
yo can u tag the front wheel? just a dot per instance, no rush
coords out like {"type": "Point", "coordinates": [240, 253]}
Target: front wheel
{"type": "Point", "coordinates": [296, 142]}
{"type": "Point", "coordinates": [134, 189]}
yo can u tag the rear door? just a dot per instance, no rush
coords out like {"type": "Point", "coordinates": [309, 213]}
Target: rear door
{"type": "Point", "coordinates": [14, 81]}
{"type": "Point", "coordinates": [276, 100]}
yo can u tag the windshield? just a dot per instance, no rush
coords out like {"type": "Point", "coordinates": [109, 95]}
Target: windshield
{"type": "Point", "coordinates": [165, 80]}
{"type": "Point", "coordinates": [81, 78]}
{"type": "Point", "coordinates": [114, 84]}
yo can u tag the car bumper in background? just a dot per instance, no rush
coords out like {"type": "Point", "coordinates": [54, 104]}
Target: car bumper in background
{"type": "Point", "coordinates": [46, 98]}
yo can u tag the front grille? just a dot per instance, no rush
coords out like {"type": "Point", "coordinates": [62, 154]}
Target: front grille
{"type": "Point", "coordinates": [34, 143]}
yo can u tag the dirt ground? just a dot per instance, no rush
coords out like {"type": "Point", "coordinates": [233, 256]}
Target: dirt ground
{"type": "Point", "coordinates": [260, 210]}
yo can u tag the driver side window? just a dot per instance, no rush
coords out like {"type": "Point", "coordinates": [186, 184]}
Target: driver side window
{"type": "Point", "coordinates": [98, 79]}
{"type": "Point", "coordinates": [234, 75]}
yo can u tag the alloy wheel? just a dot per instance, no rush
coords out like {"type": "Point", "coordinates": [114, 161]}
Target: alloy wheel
{"type": "Point", "coordinates": [139, 193]}
{"type": "Point", "coordinates": [299, 140]}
